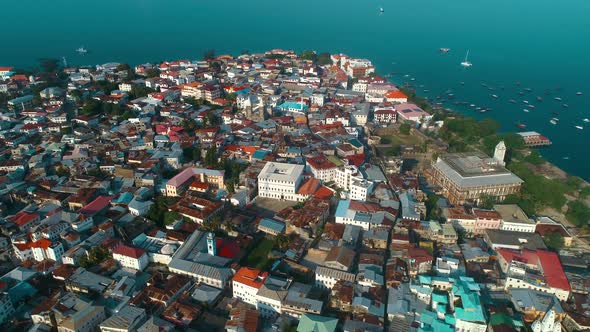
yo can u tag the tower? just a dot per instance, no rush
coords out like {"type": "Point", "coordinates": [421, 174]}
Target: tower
{"type": "Point", "coordinates": [500, 153]}
{"type": "Point", "coordinates": [211, 245]}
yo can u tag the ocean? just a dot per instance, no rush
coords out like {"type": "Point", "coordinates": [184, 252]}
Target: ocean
{"type": "Point", "coordinates": [540, 44]}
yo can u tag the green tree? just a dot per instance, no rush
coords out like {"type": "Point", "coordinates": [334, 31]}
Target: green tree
{"type": "Point", "coordinates": [152, 72]}
{"type": "Point", "coordinates": [95, 256]}
{"type": "Point", "coordinates": [211, 157]}
{"type": "Point", "coordinates": [170, 217]}
{"type": "Point", "coordinates": [487, 201]}
{"type": "Point", "coordinates": [404, 128]}
{"type": "Point", "coordinates": [432, 210]}
{"type": "Point", "coordinates": [578, 213]}
{"type": "Point", "coordinates": [209, 54]}
{"type": "Point", "coordinates": [585, 192]}
{"type": "Point", "coordinates": [534, 158]}
{"type": "Point", "coordinates": [324, 58]}
{"type": "Point", "coordinates": [488, 127]}
{"type": "Point", "coordinates": [308, 55]}
{"type": "Point", "coordinates": [157, 211]}
{"type": "Point", "coordinates": [554, 240]}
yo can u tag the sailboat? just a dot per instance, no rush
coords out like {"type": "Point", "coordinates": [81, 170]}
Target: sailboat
{"type": "Point", "coordinates": [466, 63]}
{"type": "Point", "coordinates": [81, 50]}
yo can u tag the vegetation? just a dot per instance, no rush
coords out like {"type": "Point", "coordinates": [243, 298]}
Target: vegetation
{"type": "Point", "coordinates": [96, 255]}
{"type": "Point", "coordinates": [192, 153]}
{"type": "Point", "coordinates": [258, 257]}
{"type": "Point", "coordinates": [309, 55]}
{"type": "Point", "coordinates": [433, 212]}
{"type": "Point", "coordinates": [554, 240]}
{"type": "Point", "coordinates": [232, 169]}
{"type": "Point", "coordinates": [538, 191]}
{"type": "Point", "coordinates": [159, 214]}
{"type": "Point", "coordinates": [534, 158]}
{"type": "Point", "coordinates": [578, 213]}
{"type": "Point", "coordinates": [211, 157]}
{"type": "Point", "coordinates": [487, 202]}
{"type": "Point", "coordinates": [324, 59]}
{"type": "Point", "coordinates": [405, 128]}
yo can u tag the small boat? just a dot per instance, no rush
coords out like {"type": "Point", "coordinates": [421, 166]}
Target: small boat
{"type": "Point", "coordinates": [528, 89]}
{"type": "Point", "coordinates": [525, 101]}
{"type": "Point", "coordinates": [472, 105]}
{"type": "Point", "coordinates": [553, 122]}
{"type": "Point", "coordinates": [557, 98]}
{"type": "Point", "coordinates": [539, 99]}
{"type": "Point", "coordinates": [521, 93]}
{"type": "Point", "coordinates": [462, 83]}
{"type": "Point", "coordinates": [530, 106]}
{"type": "Point", "coordinates": [520, 125]}
{"type": "Point", "coordinates": [525, 110]}
{"type": "Point", "coordinates": [381, 10]}
{"type": "Point", "coordinates": [81, 50]}
{"type": "Point", "coordinates": [494, 96]}
{"type": "Point", "coordinates": [565, 105]}
{"type": "Point", "coordinates": [566, 158]}
{"type": "Point", "coordinates": [444, 50]}
{"type": "Point", "coordinates": [465, 62]}
{"type": "Point", "coordinates": [555, 119]}
{"type": "Point", "coordinates": [512, 101]}
{"type": "Point", "coordinates": [579, 127]}
{"type": "Point", "coordinates": [579, 93]}
{"type": "Point", "coordinates": [586, 120]}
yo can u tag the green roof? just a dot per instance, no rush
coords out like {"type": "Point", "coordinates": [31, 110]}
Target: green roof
{"type": "Point", "coordinates": [316, 323]}
{"type": "Point", "coordinates": [440, 298]}
{"type": "Point", "coordinates": [335, 160]}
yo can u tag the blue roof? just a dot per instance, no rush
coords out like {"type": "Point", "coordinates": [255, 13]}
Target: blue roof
{"type": "Point", "coordinates": [124, 198]}
{"type": "Point", "coordinates": [342, 208]}
{"type": "Point", "coordinates": [272, 224]}
{"type": "Point", "coordinates": [260, 154]}
{"type": "Point", "coordinates": [293, 105]}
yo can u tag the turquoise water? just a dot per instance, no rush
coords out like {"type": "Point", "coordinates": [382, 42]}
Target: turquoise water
{"type": "Point", "coordinates": [542, 44]}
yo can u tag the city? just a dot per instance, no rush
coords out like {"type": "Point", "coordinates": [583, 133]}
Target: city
{"type": "Point", "coordinates": [275, 191]}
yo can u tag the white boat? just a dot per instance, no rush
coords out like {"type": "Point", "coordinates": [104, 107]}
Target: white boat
{"type": "Point", "coordinates": [557, 98]}
{"type": "Point", "coordinates": [552, 121]}
{"type": "Point", "coordinates": [381, 9]}
{"type": "Point", "coordinates": [525, 110]}
{"type": "Point", "coordinates": [579, 127]}
{"type": "Point", "coordinates": [465, 62]}
{"type": "Point", "coordinates": [81, 50]}
{"type": "Point", "coordinates": [494, 96]}
{"type": "Point", "coordinates": [525, 101]}
{"type": "Point", "coordinates": [579, 93]}
{"type": "Point", "coordinates": [586, 120]}
{"type": "Point", "coordinates": [444, 50]}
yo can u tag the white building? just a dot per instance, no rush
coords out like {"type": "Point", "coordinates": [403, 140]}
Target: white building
{"type": "Point", "coordinates": [327, 278]}
{"type": "Point", "coordinates": [130, 257]}
{"type": "Point", "coordinates": [280, 181]}
{"type": "Point", "coordinates": [246, 283]}
{"type": "Point", "coordinates": [45, 249]}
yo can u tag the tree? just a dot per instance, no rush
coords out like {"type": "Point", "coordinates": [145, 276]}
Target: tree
{"type": "Point", "coordinates": [152, 72]}
{"type": "Point", "coordinates": [534, 158]}
{"type": "Point", "coordinates": [192, 153]}
{"type": "Point", "coordinates": [324, 58]}
{"type": "Point", "coordinates": [404, 128]}
{"type": "Point", "coordinates": [578, 213]}
{"type": "Point", "coordinates": [157, 212]}
{"type": "Point", "coordinates": [211, 157]}
{"type": "Point", "coordinates": [554, 240]}
{"type": "Point", "coordinates": [95, 256]}
{"type": "Point", "coordinates": [488, 127]}
{"type": "Point", "coordinates": [209, 54]}
{"type": "Point", "coordinates": [432, 209]}
{"type": "Point", "coordinates": [170, 217]}
{"type": "Point", "coordinates": [308, 55]}
{"type": "Point", "coordinates": [487, 201]}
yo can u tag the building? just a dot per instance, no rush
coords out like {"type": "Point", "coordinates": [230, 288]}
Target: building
{"type": "Point", "coordinates": [546, 225]}
{"type": "Point", "coordinates": [385, 115]}
{"type": "Point", "coordinates": [310, 322]}
{"type": "Point", "coordinates": [246, 283]}
{"type": "Point", "coordinates": [411, 112]}
{"type": "Point", "coordinates": [84, 320]}
{"type": "Point", "coordinates": [514, 219]}
{"type": "Point", "coordinates": [538, 270]}
{"type": "Point", "coordinates": [127, 319]}
{"type": "Point", "coordinates": [326, 277]}
{"type": "Point", "coordinates": [322, 168]}
{"type": "Point", "coordinates": [466, 177]}
{"type": "Point", "coordinates": [280, 181]}
{"type": "Point", "coordinates": [271, 226]}
{"type": "Point", "coordinates": [131, 257]}
{"type": "Point", "coordinates": [179, 183]}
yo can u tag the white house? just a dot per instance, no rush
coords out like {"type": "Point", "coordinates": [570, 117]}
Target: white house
{"type": "Point", "coordinates": [130, 257]}
{"type": "Point", "coordinates": [246, 283]}
{"type": "Point", "coordinates": [280, 181]}
{"type": "Point", "coordinates": [326, 277]}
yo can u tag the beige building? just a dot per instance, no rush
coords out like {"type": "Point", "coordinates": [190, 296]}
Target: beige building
{"type": "Point", "coordinates": [466, 177]}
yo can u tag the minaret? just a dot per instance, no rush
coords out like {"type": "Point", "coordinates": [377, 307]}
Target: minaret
{"type": "Point", "coordinates": [500, 153]}
{"type": "Point", "coordinates": [211, 245]}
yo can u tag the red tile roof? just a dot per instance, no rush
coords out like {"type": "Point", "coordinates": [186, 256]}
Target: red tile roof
{"type": "Point", "coordinates": [309, 187]}
{"type": "Point", "coordinates": [250, 277]}
{"type": "Point", "coordinates": [43, 243]}
{"type": "Point", "coordinates": [23, 218]}
{"type": "Point", "coordinates": [227, 248]}
{"type": "Point", "coordinates": [320, 162]}
{"type": "Point", "coordinates": [547, 261]}
{"type": "Point", "coordinates": [129, 251]}
{"type": "Point", "coordinates": [324, 193]}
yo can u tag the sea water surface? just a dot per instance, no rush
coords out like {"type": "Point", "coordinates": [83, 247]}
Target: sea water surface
{"type": "Point", "coordinates": [542, 44]}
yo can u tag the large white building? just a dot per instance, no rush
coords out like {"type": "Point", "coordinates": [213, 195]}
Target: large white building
{"type": "Point", "coordinates": [246, 283]}
{"type": "Point", "coordinates": [131, 258]}
{"type": "Point", "coordinates": [280, 181]}
{"type": "Point", "coordinates": [326, 277]}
